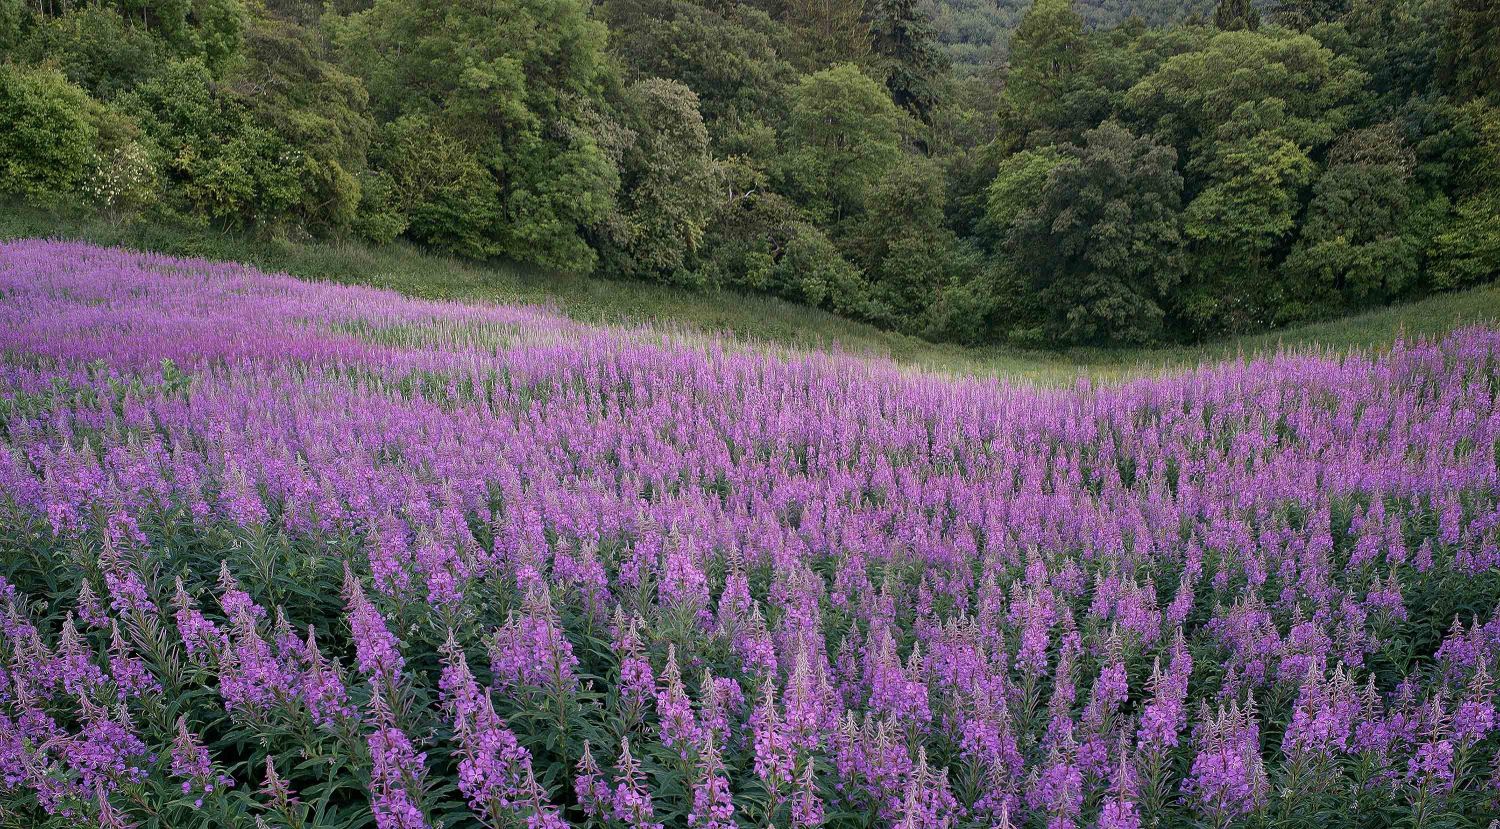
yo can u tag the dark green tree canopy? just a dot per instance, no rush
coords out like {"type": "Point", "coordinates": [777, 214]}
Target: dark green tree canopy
{"type": "Point", "coordinates": [1043, 172]}
{"type": "Point", "coordinates": [842, 135]}
{"type": "Point", "coordinates": [1354, 246]}
{"type": "Point", "coordinates": [907, 54]}
{"type": "Point", "coordinates": [1018, 185]}
{"type": "Point", "coordinates": [669, 184]}
{"type": "Point", "coordinates": [726, 55]}
{"type": "Point", "coordinates": [1047, 52]}
{"type": "Point", "coordinates": [825, 33]}
{"type": "Point", "coordinates": [1471, 49]}
{"type": "Point", "coordinates": [1103, 246]}
{"type": "Point", "coordinates": [1233, 15]}
{"type": "Point", "coordinates": [1304, 14]}
{"type": "Point", "coordinates": [47, 133]}
{"type": "Point", "coordinates": [519, 85]}
{"type": "Point", "coordinates": [1193, 94]}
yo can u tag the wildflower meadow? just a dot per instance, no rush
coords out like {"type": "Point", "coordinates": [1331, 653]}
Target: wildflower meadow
{"type": "Point", "coordinates": [284, 554]}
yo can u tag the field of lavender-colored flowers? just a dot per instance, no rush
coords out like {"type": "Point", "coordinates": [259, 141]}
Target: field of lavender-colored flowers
{"type": "Point", "coordinates": [296, 555]}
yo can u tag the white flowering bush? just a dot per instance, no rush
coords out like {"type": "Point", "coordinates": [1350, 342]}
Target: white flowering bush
{"type": "Point", "coordinates": [123, 181]}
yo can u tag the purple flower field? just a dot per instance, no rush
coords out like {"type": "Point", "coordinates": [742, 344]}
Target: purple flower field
{"type": "Point", "coordinates": [294, 555]}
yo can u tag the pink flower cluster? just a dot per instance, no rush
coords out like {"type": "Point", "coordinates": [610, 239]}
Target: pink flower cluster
{"type": "Point", "coordinates": [482, 566]}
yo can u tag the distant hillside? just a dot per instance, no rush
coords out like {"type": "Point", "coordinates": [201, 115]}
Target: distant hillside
{"type": "Point", "coordinates": [975, 32]}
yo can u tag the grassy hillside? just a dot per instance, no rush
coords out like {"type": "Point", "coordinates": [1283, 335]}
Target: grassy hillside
{"type": "Point", "coordinates": [748, 318]}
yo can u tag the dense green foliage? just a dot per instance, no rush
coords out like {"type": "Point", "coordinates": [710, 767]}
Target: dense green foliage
{"type": "Point", "coordinates": [47, 142]}
{"type": "Point", "coordinates": [1108, 174]}
{"type": "Point", "coordinates": [975, 34]}
{"type": "Point", "coordinates": [1102, 245]}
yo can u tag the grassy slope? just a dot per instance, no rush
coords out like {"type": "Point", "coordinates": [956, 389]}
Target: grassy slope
{"type": "Point", "coordinates": [749, 318]}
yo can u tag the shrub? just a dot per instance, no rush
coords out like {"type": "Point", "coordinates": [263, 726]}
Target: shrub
{"type": "Point", "coordinates": [47, 134]}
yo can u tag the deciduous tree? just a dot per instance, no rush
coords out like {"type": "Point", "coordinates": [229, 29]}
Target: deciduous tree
{"type": "Point", "coordinates": [907, 54]}
{"type": "Point", "coordinates": [1103, 245]}
{"type": "Point", "coordinates": [668, 184]}
{"type": "Point", "coordinates": [1046, 53]}
{"type": "Point", "coordinates": [517, 83]}
{"type": "Point", "coordinates": [843, 135]}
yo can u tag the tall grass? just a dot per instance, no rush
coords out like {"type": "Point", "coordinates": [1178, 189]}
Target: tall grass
{"type": "Point", "coordinates": [748, 318]}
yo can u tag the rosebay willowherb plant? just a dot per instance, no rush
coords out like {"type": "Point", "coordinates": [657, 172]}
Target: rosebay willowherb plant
{"type": "Point", "coordinates": [293, 555]}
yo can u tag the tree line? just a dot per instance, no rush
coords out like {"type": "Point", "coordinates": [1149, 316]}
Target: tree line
{"type": "Point", "coordinates": [1122, 184]}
